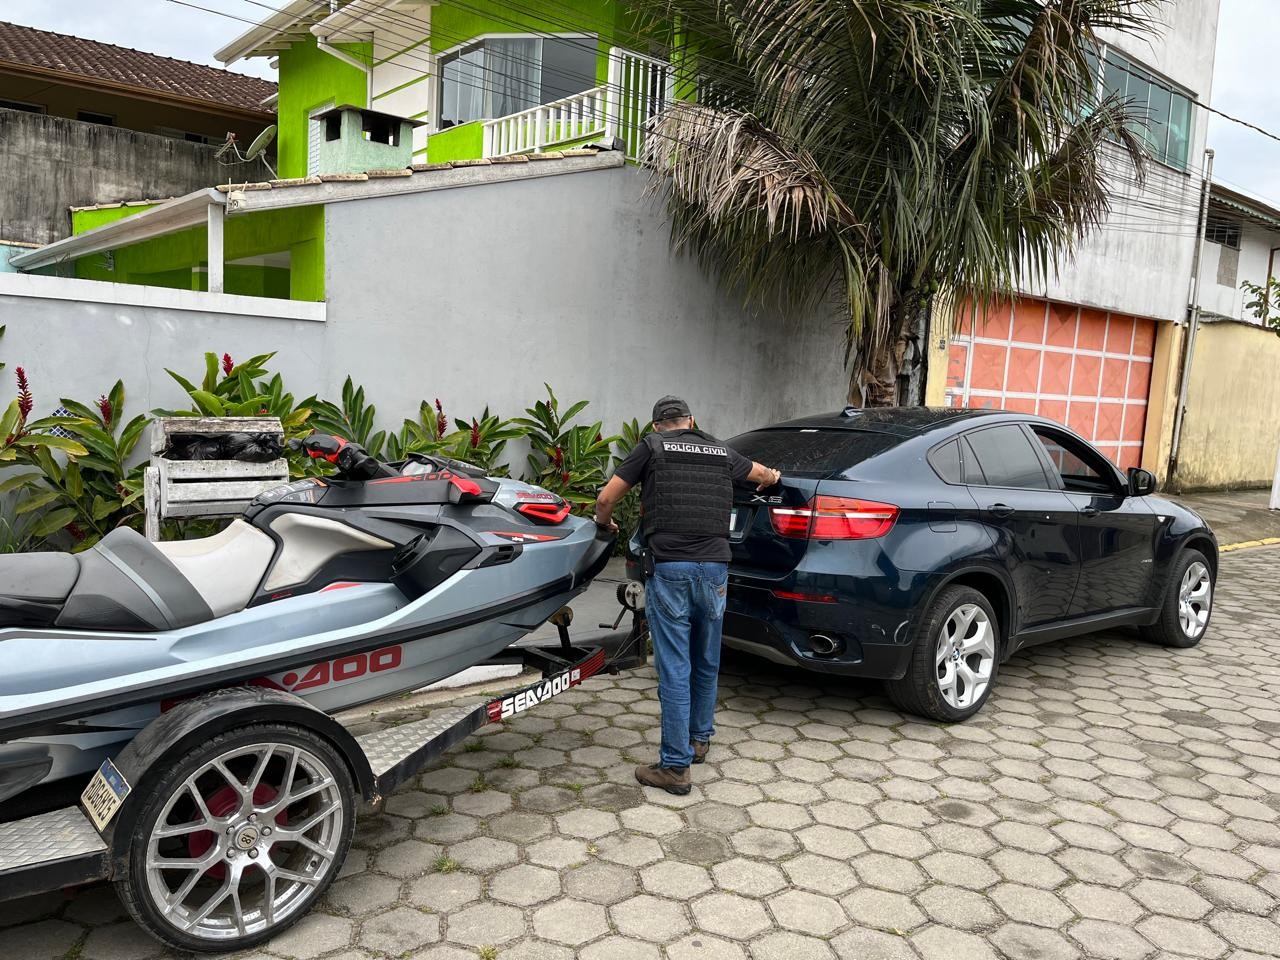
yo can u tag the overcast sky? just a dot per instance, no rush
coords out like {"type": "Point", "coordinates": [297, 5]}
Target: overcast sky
{"type": "Point", "coordinates": [1248, 41]}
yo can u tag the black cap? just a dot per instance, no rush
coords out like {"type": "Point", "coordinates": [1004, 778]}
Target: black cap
{"type": "Point", "coordinates": [670, 408]}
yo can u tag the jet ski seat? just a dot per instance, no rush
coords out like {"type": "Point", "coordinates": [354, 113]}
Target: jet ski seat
{"type": "Point", "coordinates": [127, 583]}
{"type": "Point", "coordinates": [34, 585]}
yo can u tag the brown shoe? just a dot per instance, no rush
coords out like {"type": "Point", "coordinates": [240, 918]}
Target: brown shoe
{"type": "Point", "coordinates": [665, 778]}
{"type": "Point", "coordinates": [699, 750]}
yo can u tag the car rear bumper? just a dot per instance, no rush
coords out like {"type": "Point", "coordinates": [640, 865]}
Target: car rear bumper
{"type": "Point", "coordinates": [869, 620]}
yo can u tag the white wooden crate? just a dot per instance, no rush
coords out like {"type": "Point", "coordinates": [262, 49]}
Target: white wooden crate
{"type": "Point", "coordinates": [206, 488]}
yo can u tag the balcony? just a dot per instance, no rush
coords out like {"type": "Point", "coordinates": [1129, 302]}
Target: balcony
{"type": "Point", "coordinates": [637, 90]}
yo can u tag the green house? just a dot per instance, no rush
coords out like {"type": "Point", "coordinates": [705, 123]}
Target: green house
{"type": "Point", "coordinates": [482, 78]}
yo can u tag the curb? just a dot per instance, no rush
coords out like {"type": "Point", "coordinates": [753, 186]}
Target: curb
{"type": "Point", "coordinates": [1250, 544]}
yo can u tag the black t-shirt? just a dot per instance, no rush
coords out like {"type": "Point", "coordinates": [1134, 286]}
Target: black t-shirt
{"type": "Point", "coordinates": [676, 546]}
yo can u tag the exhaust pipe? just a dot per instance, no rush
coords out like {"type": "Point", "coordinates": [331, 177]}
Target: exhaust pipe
{"type": "Point", "coordinates": [823, 645]}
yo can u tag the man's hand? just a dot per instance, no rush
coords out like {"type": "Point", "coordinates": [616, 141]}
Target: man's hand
{"type": "Point", "coordinates": [764, 477]}
{"type": "Point", "coordinates": [609, 497]}
{"type": "Point", "coordinates": [606, 523]}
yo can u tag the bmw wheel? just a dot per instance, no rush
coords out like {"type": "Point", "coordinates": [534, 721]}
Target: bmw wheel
{"type": "Point", "coordinates": [238, 838]}
{"type": "Point", "coordinates": [955, 658]}
{"type": "Point", "coordinates": [1187, 604]}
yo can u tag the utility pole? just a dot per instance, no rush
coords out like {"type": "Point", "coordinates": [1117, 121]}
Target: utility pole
{"type": "Point", "coordinates": [1193, 318]}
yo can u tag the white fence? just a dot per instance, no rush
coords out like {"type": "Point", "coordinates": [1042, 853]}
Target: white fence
{"type": "Point", "coordinates": [637, 90]}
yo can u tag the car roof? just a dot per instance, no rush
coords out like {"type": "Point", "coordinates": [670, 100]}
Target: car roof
{"type": "Point", "coordinates": [897, 421]}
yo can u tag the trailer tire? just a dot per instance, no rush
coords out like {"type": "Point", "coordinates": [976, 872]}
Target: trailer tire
{"type": "Point", "coordinates": [252, 824]}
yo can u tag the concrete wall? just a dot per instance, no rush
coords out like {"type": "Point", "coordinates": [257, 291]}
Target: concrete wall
{"type": "Point", "coordinates": [479, 294]}
{"type": "Point", "coordinates": [74, 342]}
{"type": "Point", "coordinates": [1223, 269]}
{"type": "Point", "coordinates": [1231, 430]}
{"type": "Point", "coordinates": [48, 164]}
{"type": "Point", "coordinates": [1140, 261]}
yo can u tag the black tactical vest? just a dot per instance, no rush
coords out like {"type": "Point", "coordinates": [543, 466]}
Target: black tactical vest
{"type": "Point", "coordinates": [688, 489]}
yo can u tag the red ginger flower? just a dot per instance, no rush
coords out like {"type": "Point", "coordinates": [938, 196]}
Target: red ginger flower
{"type": "Point", "coordinates": [442, 422]}
{"type": "Point", "coordinates": [25, 400]}
{"type": "Point", "coordinates": [558, 456]}
{"type": "Point", "coordinates": [104, 407]}
{"type": "Point", "coordinates": [227, 365]}
{"type": "Point", "coordinates": [475, 433]}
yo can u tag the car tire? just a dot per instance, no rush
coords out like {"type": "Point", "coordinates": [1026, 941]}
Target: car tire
{"type": "Point", "coordinates": [1187, 603]}
{"type": "Point", "coordinates": [943, 681]}
{"type": "Point", "coordinates": [252, 825]}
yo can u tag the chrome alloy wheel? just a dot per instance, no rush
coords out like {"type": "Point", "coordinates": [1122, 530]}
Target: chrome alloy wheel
{"type": "Point", "coordinates": [243, 840]}
{"type": "Point", "coordinates": [1195, 597]}
{"type": "Point", "coordinates": [965, 656]}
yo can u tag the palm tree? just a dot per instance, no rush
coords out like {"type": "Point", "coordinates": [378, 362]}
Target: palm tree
{"type": "Point", "coordinates": [876, 153]}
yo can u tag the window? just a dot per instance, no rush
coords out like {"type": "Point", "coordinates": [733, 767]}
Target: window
{"type": "Point", "coordinates": [21, 105]}
{"type": "Point", "coordinates": [1162, 112]}
{"type": "Point", "coordinates": [1006, 459]}
{"type": "Point", "coordinates": [498, 76]}
{"type": "Point", "coordinates": [102, 119]}
{"type": "Point", "coordinates": [1082, 470]}
{"type": "Point", "coordinates": [316, 134]}
{"type": "Point", "coordinates": [946, 462]}
{"type": "Point", "coordinates": [176, 134]}
{"type": "Point", "coordinates": [1222, 230]}
{"type": "Point", "coordinates": [380, 129]}
{"type": "Point", "coordinates": [812, 453]}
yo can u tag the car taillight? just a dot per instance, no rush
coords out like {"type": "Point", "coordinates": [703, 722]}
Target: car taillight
{"type": "Point", "coordinates": [541, 511]}
{"type": "Point", "coordinates": [834, 518]}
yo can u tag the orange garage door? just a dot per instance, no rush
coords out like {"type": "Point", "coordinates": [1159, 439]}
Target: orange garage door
{"type": "Point", "coordinates": [1085, 368]}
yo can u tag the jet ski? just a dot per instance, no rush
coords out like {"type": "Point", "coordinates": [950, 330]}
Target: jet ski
{"type": "Point", "coordinates": [337, 590]}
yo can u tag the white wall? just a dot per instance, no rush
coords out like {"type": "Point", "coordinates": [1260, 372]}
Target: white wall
{"type": "Point", "coordinates": [1139, 262]}
{"type": "Point", "coordinates": [1227, 299]}
{"type": "Point", "coordinates": [568, 280]}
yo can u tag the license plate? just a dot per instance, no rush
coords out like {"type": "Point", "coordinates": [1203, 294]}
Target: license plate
{"type": "Point", "coordinates": [738, 519]}
{"type": "Point", "coordinates": [105, 794]}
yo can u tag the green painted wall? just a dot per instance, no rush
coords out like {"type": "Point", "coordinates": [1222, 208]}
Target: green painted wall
{"type": "Point", "coordinates": [310, 77]}
{"type": "Point", "coordinates": [168, 261]}
{"type": "Point", "coordinates": [463, 142]}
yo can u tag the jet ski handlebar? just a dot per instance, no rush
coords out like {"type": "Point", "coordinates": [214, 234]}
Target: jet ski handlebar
{"type": "Point", "coordinates": [352, 461]}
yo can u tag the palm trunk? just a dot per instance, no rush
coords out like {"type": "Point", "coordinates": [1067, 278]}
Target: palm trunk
{"type": "Point", "coordinates": [900, 369]}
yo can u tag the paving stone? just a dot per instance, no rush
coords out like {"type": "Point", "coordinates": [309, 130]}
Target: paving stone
{"type": "Point", "coordinates": [1104, 940]}
{"type": "Point", "coordinates": [1170, 899]}
{"type": "Point", "coordinates": [121, 941]}
{"type": "Point", "coordinates": [619, 948]}
{"type": "Point", "coordinates": [764, 842]}
{"type": "Point", "coordinates": [558, 852]}
{"type": "Point", "coordinates": [548, 799]}
{"type": "Point", "coordinates": [889, 873]}
{"type": "Point", "coordinates": [960, 870]}
{"type": "Point", "coordinates": [484, 853]}
{"type": "Point", "coordinates": [397, 930]}
{"type": "Point", "coordinates": [363, 893]}
{"type": "Point", "coordinates": [485, 924]}
{"type": "Point", "coordinates": [600, 882]}
{"type": "Point", "coordinates": [730, 915]}
{"type": "Point", "coordinates": [629, 850]}
{"type": "Point", "coordinates": [1101, 903]}
{"type": "Point", "coordinates": [448, 828]}
{"type": "Point", "coordinates": [785, 945]}
{"type": "Point", "coordinates": [859, 944]}
{"type": "Point", "coordinates": [313, 935]}
{"type": "Point", "coordinates": [957, 907]}
{"type": "Point", "coordinates": [820, 874]}
{"type": "Point", "coordinates": [748, 877]}
{"type": "Point", "coordinates": [571, 922]}
{"type": "Point", "coordinates": [1182, 936]}
{"type": "Point", "coordinates": [1030, 905]}
{"type": "Point", "coordinates": [883, 910]}
{"type": "Point", "coordinates": [680, 881]}
{"type": "Point", "coordinates": [696, 846]}
{"type": "Point", "coordinates": [807, 912]}
{"type": "Point", "coordinates": [587, 824]}
{"type": "Point", "coordinates": [409, 858]}
{"type": "Point", "coordinates": [520, 827]}
{"type": "Point", "coordinates": [442, 892]}
{"type": "Point", "coordinates": [942, 943]}
{"type": "Point", "coordinates": [1248, 932]}
{"type": "Point", "coordinates": [651, 820]}
{"type": "Point", "coordinates": [534, 950]}
{"type": "Point", "coordinates": [701, 946]}
{"type": "Point", "coordinates": [525, 885]}
{"type": "Point", "coordinates": [650, 918]}
{"type": "Point", "coordinates": [1018, 941]}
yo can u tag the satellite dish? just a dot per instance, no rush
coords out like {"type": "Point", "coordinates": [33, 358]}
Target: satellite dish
{"type": "Point", "coordinates": [261, 142]}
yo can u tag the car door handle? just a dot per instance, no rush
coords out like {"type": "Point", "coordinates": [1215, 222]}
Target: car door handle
{"type": "Point", "coordinates": [1089, 511]}
{"type": "Point", "coordinates": [1001, 510]}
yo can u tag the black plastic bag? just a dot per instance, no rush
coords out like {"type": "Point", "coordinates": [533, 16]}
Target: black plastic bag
{"type": "Point", "coordinates": [246, 447]}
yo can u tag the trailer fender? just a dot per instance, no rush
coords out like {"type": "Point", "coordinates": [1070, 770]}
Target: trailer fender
{"type": "Point", "coordinates": [194, 721]}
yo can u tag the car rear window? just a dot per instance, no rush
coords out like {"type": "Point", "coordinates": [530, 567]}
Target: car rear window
{"type": "Point", "coordinates": [810, 452]}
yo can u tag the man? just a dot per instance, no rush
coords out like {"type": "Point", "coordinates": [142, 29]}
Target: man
{"type": "Point", "coordinates": [687, 480]}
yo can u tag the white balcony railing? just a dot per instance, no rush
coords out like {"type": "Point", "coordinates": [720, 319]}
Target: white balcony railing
{"type": "Point", "coordinates": [638, 89]}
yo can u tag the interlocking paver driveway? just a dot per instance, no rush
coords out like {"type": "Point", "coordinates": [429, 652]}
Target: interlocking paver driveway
{"type": "Point", "coordinates": [1113, 800]}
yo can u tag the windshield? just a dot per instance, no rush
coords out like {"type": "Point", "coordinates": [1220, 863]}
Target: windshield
{"type": "Point", "coordinates": [810, 452]}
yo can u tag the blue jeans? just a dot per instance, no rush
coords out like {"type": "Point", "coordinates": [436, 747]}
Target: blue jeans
{"type": "Point", "coordinates": [685, 608]}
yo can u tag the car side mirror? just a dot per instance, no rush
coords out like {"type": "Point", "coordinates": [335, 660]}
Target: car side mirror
{"type": "Point", "coordinates": [1141, 482]}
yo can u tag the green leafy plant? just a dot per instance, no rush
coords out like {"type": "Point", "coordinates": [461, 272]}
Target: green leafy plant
{"type": "Point", "coordinates": [627, 513]}
{"type": "Point", "coordinates": [1265, 305]}
{"type": "Point", "coordinates": [570, 460]}
{"type": "Point", "coordinates": [92, 488]}
{"type": "Point", "coordinates": [353, 420]}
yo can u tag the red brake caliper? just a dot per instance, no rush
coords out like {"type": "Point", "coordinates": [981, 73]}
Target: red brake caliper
{"type": "Point", "coordinates": [221, 803]}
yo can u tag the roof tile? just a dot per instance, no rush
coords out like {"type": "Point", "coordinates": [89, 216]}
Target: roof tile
{"type": "Point", "coordinates": [27, 47]}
